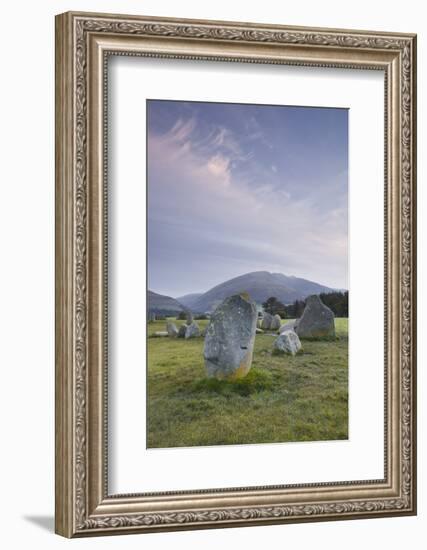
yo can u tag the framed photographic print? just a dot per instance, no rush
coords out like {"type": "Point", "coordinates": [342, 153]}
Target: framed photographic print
{"type": "Point", "coordinates": [235, 274]}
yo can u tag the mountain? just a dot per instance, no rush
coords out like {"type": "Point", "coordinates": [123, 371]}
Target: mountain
{"type": "Point", "coordinates": [163, 305]}
{"type": "Point", "coordinates": [260, 285]}
{"type": "Point", "coordinates": [189, 299]}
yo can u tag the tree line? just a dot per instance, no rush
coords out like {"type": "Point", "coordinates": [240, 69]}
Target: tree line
{"type": "Point", "coordinates": [336, 301]}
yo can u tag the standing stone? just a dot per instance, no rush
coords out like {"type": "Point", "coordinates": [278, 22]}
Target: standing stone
{"type": "Point", "coordinates": [190, 317]}
{"type": "Point", "coordinates": [181, 331]}
{"type": "Point", "coordinates": [287, 326]}
{"type": "Point", "coordinates": [287, 343]}
{"type": "Point", "coordinates": [266, 321]}
{"type": "Point", "coordinates": [317, 320]}
{"type": "Point", "coordinates": [171, 329]}
{"type": "Point", "coordinates": [276, 321]}
{"type": "Point", "coordinates": [192, 331]}
{"type": "Point", "coordinates": [230, 338]}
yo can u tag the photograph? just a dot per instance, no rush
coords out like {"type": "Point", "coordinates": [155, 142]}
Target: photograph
{"type": "Point", "coordinates": [247, 273]}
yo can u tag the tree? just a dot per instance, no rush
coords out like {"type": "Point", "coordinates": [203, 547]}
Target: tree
{"type": "Point", "coordinates": [337, 302]}
{"type": "Point", "coordinates": [295, 310]}
{"type": "Point", "coordinates": [274, 306]}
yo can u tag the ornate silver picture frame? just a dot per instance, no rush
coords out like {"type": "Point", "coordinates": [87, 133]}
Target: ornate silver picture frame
{"type": "Point", "coordinates": [84, 505]}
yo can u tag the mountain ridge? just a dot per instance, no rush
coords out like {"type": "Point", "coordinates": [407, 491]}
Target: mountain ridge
{"type": "Point", "coordinates": [188, 300]}
{"type": "Point", "coordinates": [161, 304]}
{"type": "Point", "coordinates": [260, 285]}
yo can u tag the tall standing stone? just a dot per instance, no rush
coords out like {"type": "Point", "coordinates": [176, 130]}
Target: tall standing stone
{"type": "Point", "coordinates": [230, 338]}
{"type": "Point", "coordinates": [317, 320]}
{"type": "Point", "coordinates": [190, 317]}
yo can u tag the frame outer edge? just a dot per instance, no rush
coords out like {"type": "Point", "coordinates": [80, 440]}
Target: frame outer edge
{"type": "Point", "coordinates": [73, 515]}
{"type": "Point", "coordinates": [64, 237]}
{"type": "Point", "coordinates": [414, 270]}
{"type": "Point", "coordinates": [155, 19]}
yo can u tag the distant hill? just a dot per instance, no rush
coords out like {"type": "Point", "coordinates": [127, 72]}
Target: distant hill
{"type": "Point", "coordinates": [189, 299]}
{"type": "Point", "coordinates": [260, 285]}
{"type": "Point", "coordinates": [163, 305]}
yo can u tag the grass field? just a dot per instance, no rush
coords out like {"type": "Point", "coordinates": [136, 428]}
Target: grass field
{"type": "Point", "coordinates": [283, 398]}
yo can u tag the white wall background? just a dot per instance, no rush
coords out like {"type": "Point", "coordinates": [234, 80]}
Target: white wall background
{"type": "Point", "coordinates": [27, 273]}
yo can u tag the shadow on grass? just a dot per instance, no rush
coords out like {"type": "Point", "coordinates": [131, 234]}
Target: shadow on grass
{"type": "Point", "coordinates": [255, 381]}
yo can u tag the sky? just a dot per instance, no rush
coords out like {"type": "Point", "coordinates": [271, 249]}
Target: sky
{"type": "Point", "coordinates": [235, 188]}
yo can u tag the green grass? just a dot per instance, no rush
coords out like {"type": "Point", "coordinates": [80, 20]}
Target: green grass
{"type": "Point", "coordinates": [283, 398]}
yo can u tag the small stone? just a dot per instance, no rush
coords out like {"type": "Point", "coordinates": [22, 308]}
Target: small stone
{"type": "Point", "coordinates": [259, 331]}
{"type": "Point", "coordinates": [266, 321]}
{"type": "Point", "coordinates": [287, 343]}
{"type": "Point", "coordinates": [171, 329]}
{"type": "Point", "coordinates": [276, 321]}
{"type": "Point", "coordinates": [192, 331]}
{"type": "Point", "coordinates": [181, 331]}
{"type": "Point", "coordinates": [287, 326]}
{"type": "Point", "coordinates": [161, 333]}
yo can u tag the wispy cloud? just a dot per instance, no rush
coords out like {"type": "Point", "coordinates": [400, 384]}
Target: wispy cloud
{"type": "Point", "coordinates": [180, 131]}
{"type": "Point", "coordinates": [215, 210]}
{"type": "Point", "coordinates": [219, 166]}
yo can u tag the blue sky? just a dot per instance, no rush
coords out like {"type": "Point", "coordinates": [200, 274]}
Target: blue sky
{"type": "Point", "coordinates": [234, 188]}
